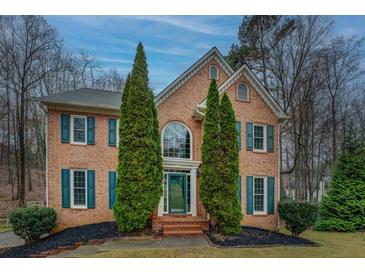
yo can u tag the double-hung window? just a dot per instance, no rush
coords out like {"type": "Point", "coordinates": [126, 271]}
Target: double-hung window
{"type": "Point", "coordinates": [78, 129]}
{"type": "Point", "coordinates": [259, 195]}
{"type": "Point", "coordinates": [78, 189]}
{"type": "Point", "coordinates": [259, 137]}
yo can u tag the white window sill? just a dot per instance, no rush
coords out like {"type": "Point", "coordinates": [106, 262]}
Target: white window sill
{"type": "Point", "coordinates": [260, 213]}
{"type": "Point", "coordinates": [79, 207]}
{"type": "Point", "coordinates": [78, 143]}
{"type": "Point", "coordinates": [259, 151]}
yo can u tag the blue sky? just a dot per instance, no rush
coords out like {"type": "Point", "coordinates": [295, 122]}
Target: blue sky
{"type": "Point", "coordinates": [172, 43]}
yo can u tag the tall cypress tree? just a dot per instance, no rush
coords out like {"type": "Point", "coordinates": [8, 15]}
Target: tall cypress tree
{"type": "Point", "coordinates": [139, 184]}
{"type": "Point", "coordinates": [230, 213]}
{"type": "Point", "coordinates": [210, 181]}
{"type": "Point", "coordinates": [343, 209]}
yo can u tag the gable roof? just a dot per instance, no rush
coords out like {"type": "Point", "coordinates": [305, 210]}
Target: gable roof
{"type": "Point", "coordinates": [85, 97]}
{"type": "Point", "coordinates": [261, 90]}
{"type": "Point", "coordinates": [211, 54]}
{"type": "Point", "coordinates": [109, 100]}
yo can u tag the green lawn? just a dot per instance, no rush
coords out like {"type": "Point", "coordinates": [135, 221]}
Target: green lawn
{"type": "Point", "coordinates": [4, 228]}
{"type": "Point", "coordinates": [331, 244]}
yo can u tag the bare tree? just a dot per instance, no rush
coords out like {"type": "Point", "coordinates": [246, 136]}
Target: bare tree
{"type": "Point", "coordinates": [341, 63]}
{"type": "Point", "coordinates": [27, 41]}
{"type": "Point", "coordinates": [315, 78]}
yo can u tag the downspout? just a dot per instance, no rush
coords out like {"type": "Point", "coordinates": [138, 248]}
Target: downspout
{"type": "Point", "coordinates": [279, 175]}
{"type": "Point", "coordinates": [45, 109]}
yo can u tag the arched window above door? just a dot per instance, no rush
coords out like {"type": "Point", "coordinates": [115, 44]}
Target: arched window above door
{"type": "Point", "coordinates": [177, 141]}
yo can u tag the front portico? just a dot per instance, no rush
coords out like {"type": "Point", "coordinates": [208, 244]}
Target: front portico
{"type": "Point", "coordinates": [179, 187]}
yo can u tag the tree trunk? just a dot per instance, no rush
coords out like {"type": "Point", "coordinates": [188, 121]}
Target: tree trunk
{"type": "Point", "coordinates": [334, 130]}
{"type": "Point", "coordinates": [21, 134]}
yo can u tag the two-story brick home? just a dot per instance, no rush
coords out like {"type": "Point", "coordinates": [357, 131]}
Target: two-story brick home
{"type": "Point", "coordinates": [82, 149]}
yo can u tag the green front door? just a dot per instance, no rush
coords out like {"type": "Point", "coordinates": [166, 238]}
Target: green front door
{"type": "Point", "coordinates": [177, 193]}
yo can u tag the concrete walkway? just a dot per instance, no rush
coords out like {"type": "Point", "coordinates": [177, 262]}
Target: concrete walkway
{"type": "Point", "coordinates": [178, 242]}
{"type": "Point", "coordinates": [9, 239]}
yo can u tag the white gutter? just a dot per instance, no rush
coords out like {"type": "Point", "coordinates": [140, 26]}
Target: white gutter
{"type": "Point", "coordinates": [45, 109]}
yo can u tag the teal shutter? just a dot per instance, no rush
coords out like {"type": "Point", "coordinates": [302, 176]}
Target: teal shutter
{"type": "Point", "coordinates": [238, 127]}
{"type": "Point", "coordinates": [90, 189]}
{"type": "Point", "coordinates": [270, 138]}
{"type": "Point", "coordinates": [90, 130]}
{"type": "Point", "coordinates": [249, 195]}
{"type": "Point", "coordinates": [270, 195]}
{"type": "Point", "coordinates": [239, 190]}
{"type": "Point", "coordinates": [112, 184]}
{"type": "Point", "coordinates": [65, 185]}
{"type": "Point", "coordinates": [112, 132]}
{"type": "Point", "coordinates": [65, 128]}
{"type": "Point", "coordinates": [249, 136]}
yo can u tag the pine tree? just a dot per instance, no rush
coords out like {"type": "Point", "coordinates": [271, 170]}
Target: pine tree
{"type": "Point", "coordinates": [210, 181]}
{"type": "Point", "coordinates": [230, 215]}
{"type": "Point", "coordinates": [343, 209]}
{"type": "Point", "coordinates": [139, 186]}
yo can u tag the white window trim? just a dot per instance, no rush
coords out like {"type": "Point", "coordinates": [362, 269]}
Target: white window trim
{"type": "Point", "coordinates": [117, 133]}
{"type": "Point", "coordinates": [191, 141]}
{"type": "Point", "coordinates": [210, 76]}
{"type": "Point", "coordinates": [72, 129]}
{"type": "Point", "coordinates": [265, 138]}
{"type": "Point", "coordinates": [264, 212]}
{"type": "Point", "coordinates": [248, 93]}
{"type": "Point", "coordinates": [72, 189]}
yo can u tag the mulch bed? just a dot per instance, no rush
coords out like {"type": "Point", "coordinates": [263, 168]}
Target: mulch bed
{"type": "Point", "coordinates": [256, 237]}
{"type": "Point", "coordinates": [69, 238]}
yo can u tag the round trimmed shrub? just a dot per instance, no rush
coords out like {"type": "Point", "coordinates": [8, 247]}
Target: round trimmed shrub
{"type": "Point", "coordinates": [32, 222]}
{"type": "Point", "coordinates": [298, 216]}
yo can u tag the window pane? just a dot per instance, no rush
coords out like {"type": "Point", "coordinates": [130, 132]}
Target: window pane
{"type": "Point", "coordinates": [176, 141]}
{"type": "Point", "coordinates": [259, 186]}
{"type": "Point", "coordinates": [259, 203]}
{"type": "Point", "coordinates": [259, 131]}
{"type": "Point", "coordinates": [79, 129]}
{"type": "Point", "coordinates": [188, 192]}
{"type": "Point", "coordinates": [213, 72]}
{"type": "Point", "coordinates": [242, 92]}
{"type": "Point", "coordinates": [259, 137]}
{"type": "Point", "coordinates": [165, 193]}
{"type": "Point", "coordinates": [259, 194]}
{"type": "Point", "coordinates": [79, 188]}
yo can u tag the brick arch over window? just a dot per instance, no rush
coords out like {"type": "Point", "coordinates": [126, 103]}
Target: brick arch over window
{"type": "Point", "coordinates": [177, 141]}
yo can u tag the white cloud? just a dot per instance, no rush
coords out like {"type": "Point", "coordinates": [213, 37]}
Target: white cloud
{"type": "Point", "coordinates": [169, 50]}
{"type": "Point", "coordinates": [193, 24]}
{"type": "Point", "coordinates": [114, 60]}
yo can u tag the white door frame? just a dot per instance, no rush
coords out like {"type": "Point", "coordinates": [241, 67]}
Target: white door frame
{"type": "Point", "coordinates": [185, 165]}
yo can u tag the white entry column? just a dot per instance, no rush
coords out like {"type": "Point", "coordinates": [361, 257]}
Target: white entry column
{"type": "Point", "coordinates": [193, 192]}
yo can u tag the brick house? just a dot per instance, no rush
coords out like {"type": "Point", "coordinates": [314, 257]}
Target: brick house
{"type": "Point", "coordinates": [82, 149]}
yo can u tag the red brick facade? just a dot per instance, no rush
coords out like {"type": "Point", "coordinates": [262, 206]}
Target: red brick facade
{"type": "Point", "coordinates": [179, 106]}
